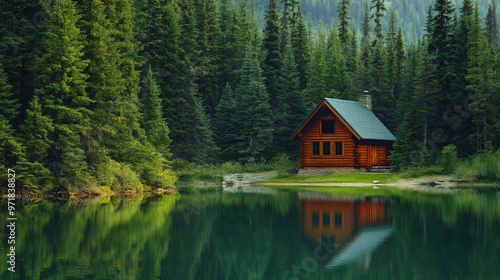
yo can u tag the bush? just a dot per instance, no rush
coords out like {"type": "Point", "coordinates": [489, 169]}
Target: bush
{"type": "Point", "coordinates": [482, 167]}
{"type": "Point", "coordinates": [283, 164]}
{"type": "Point", "coordinates": [448, 159]}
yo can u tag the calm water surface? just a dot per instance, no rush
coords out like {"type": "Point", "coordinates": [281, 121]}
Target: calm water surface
{"type": "Point", "coordinates": [267, 235]}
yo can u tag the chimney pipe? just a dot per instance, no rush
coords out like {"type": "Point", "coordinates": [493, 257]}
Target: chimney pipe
{"type": "Point", "coordinates": [366, 100]}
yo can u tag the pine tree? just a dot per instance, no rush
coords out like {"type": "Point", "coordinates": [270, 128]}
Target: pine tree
{"type": "Point", "coordinates": [209, 34]}
{"type": "Point", "coordinates": [392, 29]}
{"type": "Point", "coordinates": [424, 102]}
{"type": "Point", "coordinates": [480, 81]}
{"type": "Point", "coordinates": [429, 22]}
{"type": "Point", "coordinates": [379, 7]}
{"type": "Point", "coordinates": [152, 121]}
{"type": "Point", "coordinates": [300, 47]}
{"type": "Point", "coordinates": [189, 126]}
{"type": "Point", "coordinates": [492, 27]}
{"type": "Point", "coordinates": [250, 114]}
{"type": "Point", "coordinates": [400, 54]}
{"type": "Point", "coordinates": [226, 127]}
{"type": "Point", "coordinates": [343, 15]}
{"type": "Point", "coordinates": [337, 79]}
{"type": "Point", "coordinates": [365, 52]}
{"type": "Point", "coordinates": [291, 109]}
{"type": "Point", "coordinates": [271, 44]}
{"type": "Point", "coordinates": [316, 88]}
{"type": "Point", "coordinates": [37, 131]}
{"type": "Point", "coordinates": [383, 105]}
{"type": "Point", "coordinates": [8, 105]}
{"type": "Point", "coordinates": [63, 96]}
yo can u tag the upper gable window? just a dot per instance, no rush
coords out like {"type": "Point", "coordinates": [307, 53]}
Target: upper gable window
{"type": "Point", "coordinates": [327, 127]}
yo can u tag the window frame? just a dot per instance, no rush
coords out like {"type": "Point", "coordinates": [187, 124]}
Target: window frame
{"type": "Point", "coordinates": [341, 144]}
{"type": "Point", "coordinates": [332, 126]}
{"type": "Point", "coordinates": [313, 150]}
{"type": "Point", "coordinates": [329, 148]}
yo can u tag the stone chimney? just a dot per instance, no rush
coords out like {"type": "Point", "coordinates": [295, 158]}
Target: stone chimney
{"type": "Point", "coordinates": [366, 100]}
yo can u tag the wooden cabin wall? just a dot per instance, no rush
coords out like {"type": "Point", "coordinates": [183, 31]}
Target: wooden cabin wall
{"type": "Point", "coordinates": [312, 133]}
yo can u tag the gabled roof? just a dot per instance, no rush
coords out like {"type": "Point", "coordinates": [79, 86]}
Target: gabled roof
{"type": "Point", "coordinates": [359, 120]}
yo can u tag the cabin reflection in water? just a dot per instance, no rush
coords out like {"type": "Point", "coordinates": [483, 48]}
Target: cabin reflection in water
{"type": "Point", "coordinates": [339, 231]}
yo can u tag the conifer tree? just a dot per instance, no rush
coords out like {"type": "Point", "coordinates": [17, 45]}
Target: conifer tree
{"type": "Point", "coordinates": [365, 52]}
{"type": "Point", "coordinates": [392, 29]}
{"type": "Point", "coordinates": [209, 34]}
{"type": "Point", "coordinates": [8, 105]}
{"type": "Point", "coordinates": [429, 22]}
{"type": "Point", "coordinates": [316, 88]}
{"type": "Point", "coordinates": [63, 96]}
{"type": "Point", "coordinates": [250, 112]}
{"type": "Point", "coordinates": [492, 27]}
{"type": "Point", "coordinates": [380, 91]}
{"type": "Point", "coordinates": [380, 9]}
{"type": "Point", "coordinates": [400, 57]}
{"type": "Point", "coordinates": [422, 118]}
{"type": "Point", "coordinates": [337, 79]}
{"type": "Point", "coordinates": [479, 78]}
{"type": "Point", "coordinates": [352, 54]}
{"type": "Point", "coordinates": [152, 121]}
{"type": "Point", "coordinates": [271, 44]}
{"type": "Point", "coordinates": [343, 15]}
{"type": "Point", "coordinates": [189, 127]}
{"type": "Point", "coordinates": [300, 47]}
{"type": "Point", "coordinates": [291, 109]}
{"type": "Point", "coordinates": [226, 128]}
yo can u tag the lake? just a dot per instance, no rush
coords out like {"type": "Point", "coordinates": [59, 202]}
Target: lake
{"type": "Point", "coordinates": [269, 234]}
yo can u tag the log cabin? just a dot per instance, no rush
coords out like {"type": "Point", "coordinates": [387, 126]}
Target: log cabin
{"type": "Point", "coordinates": [343, 134]}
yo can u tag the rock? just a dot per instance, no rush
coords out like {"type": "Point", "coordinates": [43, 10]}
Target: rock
{"type": "Point", "coordinates": [376, 182]}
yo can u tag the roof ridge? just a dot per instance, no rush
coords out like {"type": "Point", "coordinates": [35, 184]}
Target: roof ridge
{"type": "Point", "coordinates": [341, 100]}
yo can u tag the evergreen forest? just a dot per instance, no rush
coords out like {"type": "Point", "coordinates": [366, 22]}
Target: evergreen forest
{"type": "Point", "coordinates": [115, 94]}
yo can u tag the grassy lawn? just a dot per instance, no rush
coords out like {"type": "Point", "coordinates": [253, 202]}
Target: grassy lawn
{"type": "Point", "coordinates": [384, 178]}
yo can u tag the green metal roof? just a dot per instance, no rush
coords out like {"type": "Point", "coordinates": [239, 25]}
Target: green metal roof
{"type": "Point", "coordinates": [361, 120]}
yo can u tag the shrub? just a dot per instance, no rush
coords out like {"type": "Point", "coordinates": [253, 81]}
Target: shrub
{"type": "Point", "coordinates": [448, 159]}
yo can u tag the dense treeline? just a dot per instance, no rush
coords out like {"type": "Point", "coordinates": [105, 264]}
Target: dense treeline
{"type": "Point", "coordinates": [107, 93]}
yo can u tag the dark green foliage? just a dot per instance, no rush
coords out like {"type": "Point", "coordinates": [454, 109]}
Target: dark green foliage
{"type": "Point", "coordinates": [316, 84]}
{"type": "Point", "coordinates": [380, 9]}
{"type": "Point", "coordinates": [8, 105]}
{"type": "Point", "coordinates": [271, 45]}
{"type": "Point", "coordinates": [492, 27]}
{"type": "Point", "coordinates": [383, 99]}
{"type": "Point", "coordinates": [343, 14]}
{"type": "Point", "coordinates": [337, 79]}
{"type": "Point", "coordinates": [152, 121]}
{"type": "Point", "coordinates": [291, 109]}
{"type": "Point", "coordinates": [301, 49]}
{"type": "Point", "coordinates": [250, 114]}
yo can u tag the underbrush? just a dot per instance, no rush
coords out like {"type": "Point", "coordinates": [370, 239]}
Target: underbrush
{"type": "Point", "coordinates": [481, 167]}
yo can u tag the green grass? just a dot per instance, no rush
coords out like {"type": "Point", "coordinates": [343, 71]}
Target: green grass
{"type": "Point", "coordinates": [384, 178]}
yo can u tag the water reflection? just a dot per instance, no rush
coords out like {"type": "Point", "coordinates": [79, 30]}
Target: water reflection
{"type": "Point", "coordinates": [350, 227]}
{"type": "Point", "coordinates": [218, 235]}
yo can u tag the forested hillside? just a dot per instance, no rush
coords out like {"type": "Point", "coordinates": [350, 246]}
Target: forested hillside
{"type": "Point", "coordinates": [410, 14]}
{"type": "Point", "coordinates": [106, 94]}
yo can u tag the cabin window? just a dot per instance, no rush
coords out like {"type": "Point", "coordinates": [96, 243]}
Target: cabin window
{"type": "Point", "coordinates": [326, 148]}
{"type": "Point", "coordinates": [315, 148]}
{"type": "Point", "coordinates": [326, 219]}
{"type": "Point", "coordinates": [338, 219]}
{"type": "Point", "coordinates": [338, 149]}
{"type": "Point", "coordinates": [315, 219]}
{"type": "Point", "coordinates": [327, 127]}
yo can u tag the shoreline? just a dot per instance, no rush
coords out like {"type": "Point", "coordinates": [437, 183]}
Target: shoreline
{"type": "Point", "coordinates": [60, 195]}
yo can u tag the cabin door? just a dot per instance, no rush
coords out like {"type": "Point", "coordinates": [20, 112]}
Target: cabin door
{"type": "Point", "coordinates": [374, 156]}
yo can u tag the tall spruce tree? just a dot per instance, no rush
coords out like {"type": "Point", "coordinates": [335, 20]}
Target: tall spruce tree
{"type": "Point", "coordinates": [152, 121]}
{"type": "Point", "coordinates": [316, 84]}
{"type": "Point", "coordinates": [380, 9]}
{"type": "Point", "coordinates": [300, 42]}
{"type": "Point", "coordinates": [271, 44]}
{"type": "Point", "coordinates": [250, 111]}
{"type": "Point", "coordinates": [492, 27]}
{"type": "Point", "coordinates": [189, 127]}
{"type": "Point", "coordinates": [291, 109]}
{"type": "Point", "coordinates": [343, 15]}
{"type": "Point", "coordinates": [209, 34]}
{"type": "Point", "coordinates": [480, 86]}
{"type": "Point", "coordinates": [400, 58]}
{"type": "Point", "coordinates": [383, 99]}
{"type": "Point", "coordinates": [337, 79]}
{"type": "Point", "coordinates": [8, 105]}
{"type": "Point", "coordinates": [62, 92]}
